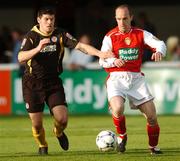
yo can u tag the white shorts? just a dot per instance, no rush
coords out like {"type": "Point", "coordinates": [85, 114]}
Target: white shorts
{"type": "Point", "coordinates": [129, 85]}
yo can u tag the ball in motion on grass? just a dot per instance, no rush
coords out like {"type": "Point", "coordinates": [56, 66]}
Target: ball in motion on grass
{"type": "Point", "coordinates": [106, 141]}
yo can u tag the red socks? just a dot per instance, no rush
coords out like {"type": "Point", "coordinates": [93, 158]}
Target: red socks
{"type": "Point", "coordinates": [120, 124]}
{"type": "Point", "coordinates": [153, 133]}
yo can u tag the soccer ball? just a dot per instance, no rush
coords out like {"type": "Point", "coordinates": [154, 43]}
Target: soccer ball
{"type": "Point", "coordinates": [106, 140]}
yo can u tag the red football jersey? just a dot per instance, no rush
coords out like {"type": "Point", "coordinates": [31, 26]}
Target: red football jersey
{"type": "Point", "coordinates": [129, 47]}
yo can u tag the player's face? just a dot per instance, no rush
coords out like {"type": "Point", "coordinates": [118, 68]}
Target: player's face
{"type": "Point", "coordinates": [46, 23]}
{"type": "Point", "coordinates": [123, 19]}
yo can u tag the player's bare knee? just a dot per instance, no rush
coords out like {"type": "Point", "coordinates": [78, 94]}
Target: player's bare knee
{"type": "Point", "coordinates": [117, 113]}
{"type": "Point", "coordinates": [37, 124]}
{"type": "Point", "coordinates": [152, 121]}
{"type": "Point", "coordinates": [62, 121]}
{"type": "Point", "coordinates": [37, 127]}
{"type": "Point", "coordinates": [117, 110]}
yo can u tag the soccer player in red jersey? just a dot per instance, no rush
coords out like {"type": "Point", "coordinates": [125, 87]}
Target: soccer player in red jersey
{"type": "Point", "coordinates": [125, 78]}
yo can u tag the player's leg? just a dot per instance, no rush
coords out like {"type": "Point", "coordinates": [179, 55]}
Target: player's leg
{"type": "Point", "coordinates": [34, 94]}
{"type": "Point", "coordinates": [58, 107]}
{"type": "Point", "coordinates": [39, 132]}
{"type": "Point", "coordinates": [116, 92]}
{"type": "Point", "coordinates": [117, 107]}
{"type": "Point", "coordinates": [153, 130]}
{"type": "Point", "coordinates": [140, 97]}
{"type": "Point", "coordinates": [60, 115]}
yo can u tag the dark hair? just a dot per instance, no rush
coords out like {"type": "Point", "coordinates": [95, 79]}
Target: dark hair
{"type": "Point", "coordinates": [46, 10]}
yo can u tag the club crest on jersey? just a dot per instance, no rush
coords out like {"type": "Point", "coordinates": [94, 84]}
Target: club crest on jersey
{"type": "Point", "coordinates": [127, 41]}
{"type": "Point", "coordinates": [53, 39]}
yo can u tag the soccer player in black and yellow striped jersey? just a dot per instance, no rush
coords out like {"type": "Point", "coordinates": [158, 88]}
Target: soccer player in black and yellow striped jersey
{"type": "Point", "coordinates": [42, 52]}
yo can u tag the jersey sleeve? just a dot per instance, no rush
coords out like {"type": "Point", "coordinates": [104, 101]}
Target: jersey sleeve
{"type": "Point", "coordinates": [107, 46]}
{"type": "Point", "coordinates": [107, 63]}
{"type": "Point", "coordinates": [27, 43]}
{"type": "Point", "coordinates": [153, 42]}
{"type": "Point", "coordinates": [69, 41]}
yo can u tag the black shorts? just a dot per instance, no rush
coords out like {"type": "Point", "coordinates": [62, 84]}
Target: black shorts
{"type": "Point", "coordinates": [38, 92]}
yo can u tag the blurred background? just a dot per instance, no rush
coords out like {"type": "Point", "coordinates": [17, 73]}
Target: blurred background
{"type": "Point", "coordinates": [93, 18]}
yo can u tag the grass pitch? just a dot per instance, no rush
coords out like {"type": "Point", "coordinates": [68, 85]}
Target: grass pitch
{"type": "Point", "coordinates": [17, 143]}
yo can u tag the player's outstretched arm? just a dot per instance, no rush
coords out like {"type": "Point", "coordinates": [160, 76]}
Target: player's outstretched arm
{"type": "Point", "coordinates": [88, 49]}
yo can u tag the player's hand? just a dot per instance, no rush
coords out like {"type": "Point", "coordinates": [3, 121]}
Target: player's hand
{"type": "Point", "coordinates": [43, 43]}
{"type": "Point", "coordinates": [156, 56]}
{"type": "Point", "coordinates": [107, 54]}
{"type": "Point", "coordinates": [119, 63]}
